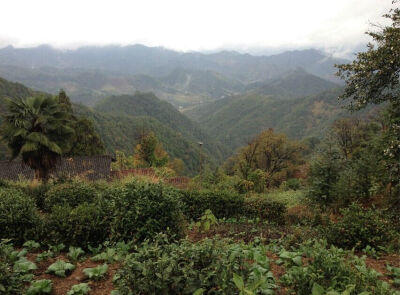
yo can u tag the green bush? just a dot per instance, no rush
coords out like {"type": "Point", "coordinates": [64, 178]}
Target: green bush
{"type": "Point", "coordinates": [19, 218]}
{"type": "Point", "coordinates": [143, 209]}
{"type": "Point", "coordinates": [186, 267]}
{"type": "Point", "coordinates": [11, 283]}
{"type": "Point", "coordinates": [293, 184]}
{"type": "Point", "coordinates": [71, 193]}
{"type": "Point", "coordinates": [359, 228]}
{"type": "Point", "coordinates": [261, 207]}
{"type": "Point", "coordinates": [330, 269]}
{"type": "Point", "coordinates": [222, 203]}
{"type": "Point", "coordinates": [87, 224]}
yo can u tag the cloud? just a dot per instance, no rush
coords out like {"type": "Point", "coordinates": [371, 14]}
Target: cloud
{"type": "Point", "coordinates": [191, 24]}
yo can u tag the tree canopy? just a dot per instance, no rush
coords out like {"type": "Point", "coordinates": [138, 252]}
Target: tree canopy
{"type": "Point", "coordinates": [38, 129]}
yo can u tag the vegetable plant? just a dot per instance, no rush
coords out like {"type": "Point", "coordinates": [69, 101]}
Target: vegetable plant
{"type": "Point", "coordinates": [79, 289]}
{"type": "Point", "coordinates": [44, 256]}
{"type": "Point", "coordinates": [75, 252]}
{"type": "Point", "coordinates": [31, 245]}
{"type": "Point", "coordinates": [110, 255]}
{"type": "Point", "coordinates": [206, 221]}
{"type": "Point", "coordinates": [61, 268]}
{"type": "Point", "coordinates": [97, 272]}
{"type": "Point", "coordinates": [40, 287]}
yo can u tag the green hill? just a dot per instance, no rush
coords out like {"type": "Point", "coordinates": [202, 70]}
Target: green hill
{"type": "Point", "coordinates": [236, 120]}
{"type": "Point", "coordinates": [122, 130]}
{"type": "Point", "coordinates": [298, 83]}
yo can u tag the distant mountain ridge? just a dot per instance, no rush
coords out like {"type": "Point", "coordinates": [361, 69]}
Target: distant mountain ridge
{"type": "Point", "coordinates": [90, 74]}
{"type": "Point", "coordinates": [157, 61]}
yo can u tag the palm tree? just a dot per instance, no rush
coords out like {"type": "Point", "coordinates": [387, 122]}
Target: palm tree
{"type": "Point", "coordinates": [38, 129]}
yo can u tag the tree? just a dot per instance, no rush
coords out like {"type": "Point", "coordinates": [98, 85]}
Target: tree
{"type": "Point", "coordinates": [85, 141]}
{"type": "Point", "coordinates": [38, 129]}
{"type": "Point", "coordinates": [150, 153]}
{"type": "Point", "coordinates": [373, 78]}
{"type": "Point", "coordinates": [272, 153]}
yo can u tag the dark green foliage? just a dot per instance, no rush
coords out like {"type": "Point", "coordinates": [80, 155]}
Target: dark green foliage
{"type": "Point", "coordinates": [11, 283]}
{"type": "Point", "coordinates": [261, 207]}
{"type": "Point", "coordinates": [324, 175]}
{"type": "Point", "coordinates": [359, 228]}
{"type": "Point", "coordinates": [38, 129]}
{"type": "Point", "coordinates": [71, 193]}
{"type": "Point", "coordinates": [19, 218]}
{"type": "Point", "coordinates": [184, 267]}
{"type": "Point", "coordinates": [222, 203]}
{"type": "Point", "coordinates": [373, 78]}
{"type": "Point", "coordinates": [86, 224]}
{"type": "Point", "coordinates": [86, 141]}
{"type": "Point", "coordinates": [143, 209]}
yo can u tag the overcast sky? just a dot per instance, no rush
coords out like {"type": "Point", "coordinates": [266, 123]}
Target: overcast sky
{"type": "Point", "coordinates": [334, 25]}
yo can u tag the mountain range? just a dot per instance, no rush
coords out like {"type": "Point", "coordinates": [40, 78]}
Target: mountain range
{"type": "Point", "coordinates": [90, 74]}
{"type": "Point", "coordinates": [222, 99]}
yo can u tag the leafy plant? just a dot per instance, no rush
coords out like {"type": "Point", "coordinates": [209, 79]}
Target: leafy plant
{"type": "Point", "coordinates": [57, 248]}
{"type": "Point", "coordinates": [95, 250]}
{"type": "Point", "coordinates": [206, 221]}
{"type": "Point", "coordinates": [44, 256]}
{"type": "Point", "coordinates": [183, 267]}
{"type": "Point", "coordinates": [359, 228]}
{"type": "Point", "coordinates": [79, 289]}
{"type": "Point", "coordinates": [330, 270]}
{"type": "Point", "coordinates": [74, 253]}
{"type": "Point", "coordinates": [395, 274]}
{"type": "Point", "coordinates": [110, 255]}
{"type": "Point", "coordinates": [19, 218]}
{"type": "Point", "coordinates": [11, 283]}
{"type": "Point", "coordinates": [292, 258]}
{"type": "Point", "coordinates": [61, 268]}
{"type": "Point", "coordinates": [30, 245]}
{"type": "Point", "coordinates": [24, 266]}
{"type": "Point", "coordinates": [97, 272]}
{"type": "Point", "coordinates": [40, 287]}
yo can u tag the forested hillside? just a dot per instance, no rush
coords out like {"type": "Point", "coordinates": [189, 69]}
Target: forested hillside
{"type": "Point", "coordinates": [122, 130]}
{"type": "Point", "coordinates": [238, 119]}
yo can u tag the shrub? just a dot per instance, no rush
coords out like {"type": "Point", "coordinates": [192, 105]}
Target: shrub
{"type": "Point", "coordinates": [293, 184]}
{"type": "Point", "coordinates": [331, 270]}
{"type": "Point", "coordinates": [19, 219]}
{"type": "Point", "coordinates": [261, 207]}
{"type": "Point", "coordinates": [185, 267]}
{"type": "Point", "coordinates": [359, 228]}
{"type": "Point", "coordinates": [71, 193]}
{"type": "Point", "coordinates": [144, 209]}
{"type": "Point", "coordinates": [87, 224]}
{"type": "Point", "coordinates": [222, 203]}
{"type": "Point", "coordinates": [11, 282]}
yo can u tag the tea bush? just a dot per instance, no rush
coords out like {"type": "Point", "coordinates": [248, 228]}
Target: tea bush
{"type": "Point", "coordinates": [71, 193]}
{"type": "Point", "coordinates": [87, 224]}
{"type": "Point", "coordinates": [261, 207]}
{"type": "Point", "coordinates": [19, 219]}
{"type": "Point", "coordinates": [11, 283]}
{"type": "Point", "coordinates": [222, 203]}
{"type": "Point", "coordinates": [331, 269]}
{"type": "Point", "coordinates": [185, 267]}
{"type": "Point", "coordinates": [143, 209]}
{"type": "Point", "coordinates": [359, 228]}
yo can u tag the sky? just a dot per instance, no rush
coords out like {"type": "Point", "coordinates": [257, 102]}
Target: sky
{"type": "Point", "coordinates": [336, 26]}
